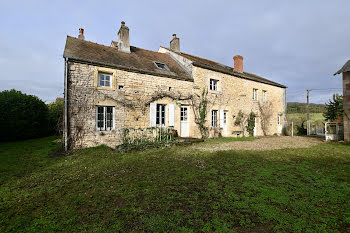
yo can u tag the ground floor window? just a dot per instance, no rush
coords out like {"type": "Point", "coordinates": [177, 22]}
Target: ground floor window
{"type": "Point", "coordinates": [160, 114]}
{"type": "Point", "coordinates": [105, 117]}
{"type": "Point", "coordinates": [214, 118]}
{"type": "Point", "coordinates": [279, 119]}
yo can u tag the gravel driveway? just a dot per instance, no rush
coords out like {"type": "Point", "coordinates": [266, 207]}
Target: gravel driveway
{"type": "Point", "coordinates": [263, 143]}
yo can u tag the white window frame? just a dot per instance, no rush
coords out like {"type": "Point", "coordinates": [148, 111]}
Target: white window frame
{"type": "Point", "coordinates": [264, 96]}
{"type": "Point", "coordinates": [161, 65]}
{"type": "Point", "coordinates": [105, 74]}
{"type": "Point", "coordinates": [104, 120]}
{"type": "Point", "coordinates": [225, 117]}
{"type": "Point", "coordinates": [213, 84]}
{"type": "Point", "coordinates": [278, 119]}
{"type": "Point", "coordinates": [184, 113]}
{"type": "Point", "coordinates": [160, 114]}
{"type": "Point", "coordinates": [255, 94]}
{"type": "Point", "coordinates": [214, 119]}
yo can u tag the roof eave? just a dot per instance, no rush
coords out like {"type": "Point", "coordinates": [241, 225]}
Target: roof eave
{"type": "Point", "coordinates": [135, 70]}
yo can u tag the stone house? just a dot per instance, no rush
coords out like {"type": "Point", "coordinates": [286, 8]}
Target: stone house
{"type": "Point", "coordinates": [345, 70]}
{"type": "Point", "coordinates": [108, 88]}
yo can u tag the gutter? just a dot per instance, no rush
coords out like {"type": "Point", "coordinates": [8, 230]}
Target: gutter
{"type": "Point", "coordinates": [65, 104]}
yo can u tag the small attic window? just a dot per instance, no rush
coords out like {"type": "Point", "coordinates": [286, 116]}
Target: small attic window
{"type": "Point", "coordinates": [161, 66]}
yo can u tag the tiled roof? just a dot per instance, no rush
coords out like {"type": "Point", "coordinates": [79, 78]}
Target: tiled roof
{"type": "Point", "coordinates": [212, 65]}
{"type": "Point", "coordinates": [139, 60]}
{"type": "Point", "coordinates": [345, 68]}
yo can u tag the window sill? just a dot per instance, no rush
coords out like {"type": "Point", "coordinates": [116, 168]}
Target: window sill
{"type": "Point", "coordinates": [104, 131]}
{"type": "Point", "coordinates": [214, 92]}
{"type": "Point", "coordinates": [106, 88]}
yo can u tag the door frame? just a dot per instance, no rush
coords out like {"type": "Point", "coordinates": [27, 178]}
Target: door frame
{"type": "Point", "coordinates": [187, 121]}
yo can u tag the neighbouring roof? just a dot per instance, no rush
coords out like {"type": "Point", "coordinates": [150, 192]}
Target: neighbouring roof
{"type": "Point", "coordinates": [139, 60]}
{"type": "Point", "coordinates": [345, 68]}
{"type": "Point", "coordinates": [212, 65]}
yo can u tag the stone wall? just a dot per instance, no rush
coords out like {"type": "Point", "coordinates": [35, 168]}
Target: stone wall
{"type": "Point", "coordinates": [131, 94]}
{"type": "Point", "coordinates": [236, 94]}
{"type": "Point", "coordinates": [346, 94]}
{"type": "Point", "coordinates": [130, 102]}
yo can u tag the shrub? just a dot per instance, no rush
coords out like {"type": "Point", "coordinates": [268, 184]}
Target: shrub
{"type": "Point", "coordinates": [56, 117]}
{"type": "Point", "coordinates": [301, 130]}
{"type": "Point", "coordinates": [22, 116]}
{"type": "Point", "coordinates": [251, 124]}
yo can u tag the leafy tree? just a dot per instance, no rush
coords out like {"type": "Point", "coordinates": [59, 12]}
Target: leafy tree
{"type": "Point", "coordinates": [22, 116]}
{"type": "Point", "coordinates": [56, 117]}
{"type": "Point", "coordinates": [334, 108]}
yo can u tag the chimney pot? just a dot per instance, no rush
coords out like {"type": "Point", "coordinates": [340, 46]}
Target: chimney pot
{"type": "Point", "coordinates": [175, 43]}
{"type": "Point", "coordinates": [81, 33]}
{"type": "Point", "coordinates": [238, 63]}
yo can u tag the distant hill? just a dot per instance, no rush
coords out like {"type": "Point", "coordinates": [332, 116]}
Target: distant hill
{"type": "Point", "coordinates": [295, 107]}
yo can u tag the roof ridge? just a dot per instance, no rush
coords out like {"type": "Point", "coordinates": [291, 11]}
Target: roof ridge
{"type": "Point", "coordinates": [197, 57]}
{"type": "Point", "coordinates": [89, 41]}
{"type": "Point", "coordinates": [111, 46]}
{"type": "Point", "coordinates": [227, 68]}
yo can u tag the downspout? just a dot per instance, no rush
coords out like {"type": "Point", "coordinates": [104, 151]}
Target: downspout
{"type": "Point", "coordinates": [285, 106]}
{"type": "Point", "coordinates": [66, 104]}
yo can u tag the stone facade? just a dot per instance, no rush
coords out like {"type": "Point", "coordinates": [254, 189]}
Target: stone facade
{"type": "Point", "coordinates": [346, 95]}
{"type": "Point", "coordinates": [131, 94]}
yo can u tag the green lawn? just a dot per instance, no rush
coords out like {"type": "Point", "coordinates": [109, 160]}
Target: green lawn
{"type": "Point", "coordinates": [314, 117]}
{"type": "Point", "coordinates": [176, 189]}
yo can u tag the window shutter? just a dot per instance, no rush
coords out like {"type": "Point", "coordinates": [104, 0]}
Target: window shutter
{"type": "Point", "coordinates": [171, 115]}
{"type": "Point", "coordinates": [221, 118]}
{"type": "Point", "coordinates": [152, 114]}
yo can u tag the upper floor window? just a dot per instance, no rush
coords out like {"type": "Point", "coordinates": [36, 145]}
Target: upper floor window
{"type": "Point", "coordinates": [264, 96]}
{"type": "Point", "coordinates": [255, 94]}
{"type": "Point", "coordinates": [213, 85]}
{"type": "Point", "coordinates": [104, 80]}
{"type": "Point", "coordinates": [161, 66]}
{"type": "Point", "coordinates": [214, 118]}
{"type": "Point", "coordinates": [104, 118]}
{"type": "Point", "coordinates": [160, 114]}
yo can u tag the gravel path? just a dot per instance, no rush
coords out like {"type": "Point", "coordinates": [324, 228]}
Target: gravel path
{"type": "Point", "coordinates": [263, 143]}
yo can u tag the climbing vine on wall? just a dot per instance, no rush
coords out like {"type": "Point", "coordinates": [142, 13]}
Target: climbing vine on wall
{"type": "Point", "coordinates": [251, 124]}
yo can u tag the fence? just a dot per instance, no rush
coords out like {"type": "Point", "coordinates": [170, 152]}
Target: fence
{"type": "Point", "coordinates": [317, 130]}
{"type": "Point", "coordinates": [292, 128]}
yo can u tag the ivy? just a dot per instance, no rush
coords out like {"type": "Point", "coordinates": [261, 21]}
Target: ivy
{"type": "Point", "coordinates": [202, 114]}
{"type": "Point", "coordinates": [251, 124]}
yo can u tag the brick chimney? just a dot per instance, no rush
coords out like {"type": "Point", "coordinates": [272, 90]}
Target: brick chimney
{"type": "Point", "coordinates": [175, 44]}
{"type": "Point", "coordinates": [238, 63]}
{"type": "Point", "coordinates": [123, 38]}
{"type": "Point", "coordinates": [81, 34]}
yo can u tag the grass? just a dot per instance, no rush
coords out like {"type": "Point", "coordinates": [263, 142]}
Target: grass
{"type": "Point", "coordinates": [227, 139]}
{"type": "Point", "coordinates": [314, 117]}
{"type": "Point", "coordinates": [175, 189]}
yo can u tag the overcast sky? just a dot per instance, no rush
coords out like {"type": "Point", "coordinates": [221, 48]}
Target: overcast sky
{"type": "Point", "coordinates": [296, 43]}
